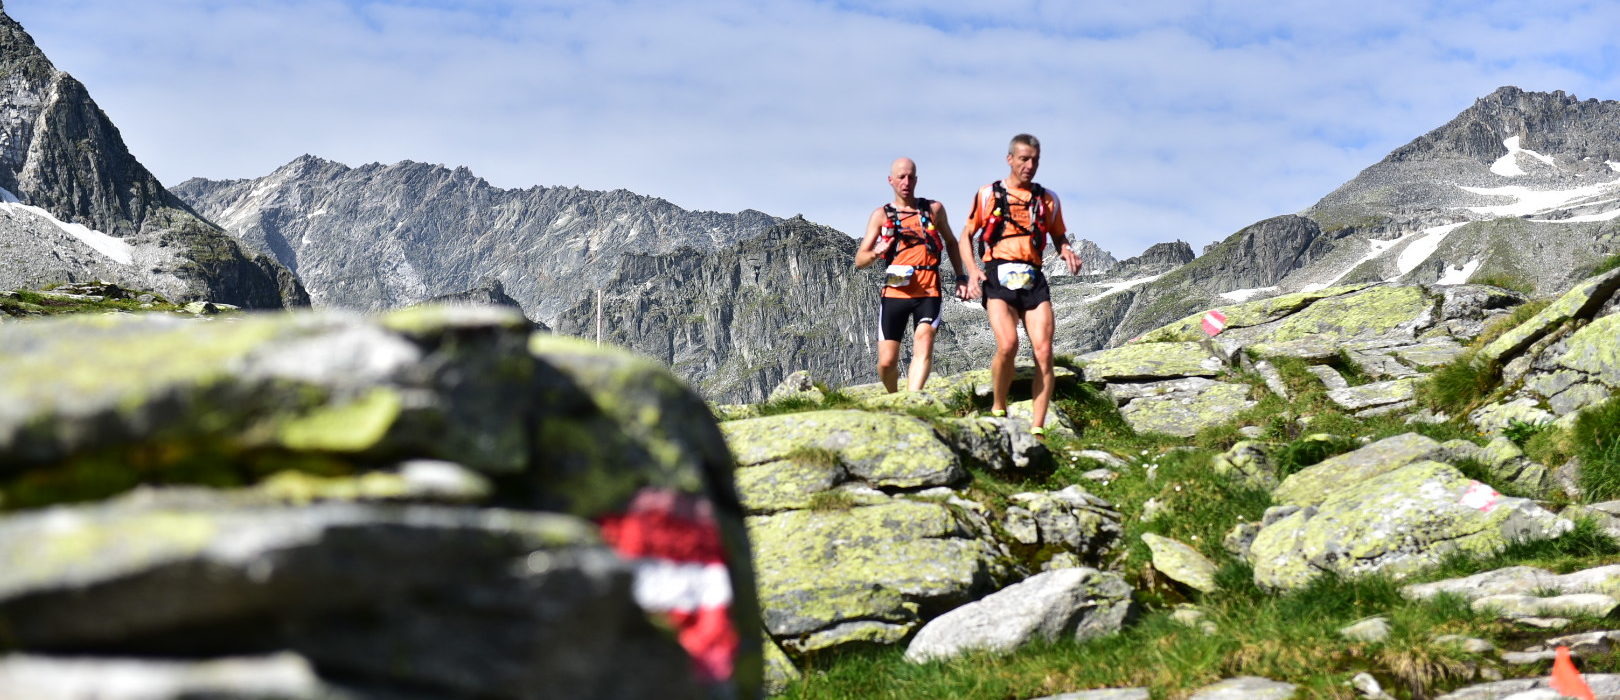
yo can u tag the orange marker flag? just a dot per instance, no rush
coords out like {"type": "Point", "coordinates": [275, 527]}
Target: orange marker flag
{"type": "Point", "coordinates": [1566, 680]}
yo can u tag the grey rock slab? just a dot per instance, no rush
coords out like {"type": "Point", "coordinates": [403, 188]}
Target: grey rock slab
{"type": "Point", "coordinates": [1067, 603]}
{"type": "Point", "coordinates": [1356, 398]}
{"type": "Point", "coordinates": [1386, 409]}
{"type": "Point", "coordinates": [1606, 514]}
{"type": "Point", "coordinates": [1430, 353]}
{"type": "Point", "coordinates": [1374, 629]}
{"type": "Point", "coordinates": [1181, 563]}
{"type": "Point", "coordinates": [1317, 482]}
{"type": "Point", "coordinates": [1273, 378]}
{"type": "Point", "coordinates": [1571, 604]}
{"type": "Point", "coordinates": [1472, 645]}
{"type": "Point", "coordinates": [1525, 658]}
{"type": "Point", "coordinates": [1605, 686]}
{"type": "Point", "coordinates": [1125, 392]}
{"type": "Point", "coordinates": [1495, 418]}
{"type": "Point", "coordinates": [1369, 687]}
{"type": "Point", "coordinates": [1330, 377]}
{"type": "Point", "coordinates": [1381, 364]}
{"type": "Point", "coordinates": [1105, 458]}
{"type": "Point", "coordinates": [1543, 623]}
{"type": "Point", "coordinates": [1057, 422]}
{"type": "Point", "coordinates": [878, 448]}
{"type": "Point", "coordinates": [1248, 462]}
{"type": "Point", "coordinates": [1245, 688]}
{"type": "Point", "coordinates": [1520, 580]}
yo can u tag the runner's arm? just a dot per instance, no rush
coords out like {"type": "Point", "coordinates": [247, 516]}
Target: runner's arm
{"type": "Point", "coordinates": [1060, 236]}
{"type": "Point", "coordinates": [866, 253]}
{"type": "Point", "coordinates": [969, 265]}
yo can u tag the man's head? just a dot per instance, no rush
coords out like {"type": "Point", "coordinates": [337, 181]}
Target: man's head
{"type": "Point", "coordinates": [903, 178]}
{"type": "Point", "coordinates": [1024, 157]}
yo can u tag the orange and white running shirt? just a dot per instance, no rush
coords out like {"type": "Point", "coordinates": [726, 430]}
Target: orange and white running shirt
{"type": "Point", "coordinates": [924, 283]}
{"type": "Point", "coordinates": [1012, 247]}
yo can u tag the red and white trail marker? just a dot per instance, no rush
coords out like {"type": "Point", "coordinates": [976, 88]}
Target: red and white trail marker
{"type": "Point", "coordinates": [1214, 322]}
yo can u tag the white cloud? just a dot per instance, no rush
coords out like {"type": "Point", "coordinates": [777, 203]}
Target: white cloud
{"type": "Point", "coordinates": [1162, 120]}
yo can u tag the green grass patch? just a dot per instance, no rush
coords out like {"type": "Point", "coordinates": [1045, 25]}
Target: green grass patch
{"type": "Point", "coordinates": [1505, 281]}
{"type": "Point", "coordinates": [1606, 264]}
{"type": "Point", "coordinates": [1293, 637]}
{"type": "Point", "coordinates": [1596, 440]}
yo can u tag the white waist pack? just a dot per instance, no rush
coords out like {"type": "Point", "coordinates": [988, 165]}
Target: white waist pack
{"type": "Point", "coordinates": [1015, 275]}
{"type": "Point", "coordinates": [898, 275]}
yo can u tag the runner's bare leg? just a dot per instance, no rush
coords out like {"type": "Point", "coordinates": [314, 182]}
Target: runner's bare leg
{"type": "Point", "coordinates": [888, 363]}
{"type": "Point", "coordinates": [1038, 323]}
{"type": "Point", "coordinates": [922, 356]}
{"type": "Point", "coordinates": [1004, 323]}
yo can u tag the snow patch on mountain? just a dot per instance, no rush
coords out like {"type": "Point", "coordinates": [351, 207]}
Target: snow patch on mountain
{"type": "Point", "coordinates": [1528, 202]}
{"type": "Point", "coordinates": [1428, 241]}
{"type": "Point", "coordinates": [1242, 295]}
{"type": "Point", "coordinates": [1459, 275]}
{"type": "Point", "coordinates": [1508, 165]}
{"type": "Point", "coordinates": [116, 249]}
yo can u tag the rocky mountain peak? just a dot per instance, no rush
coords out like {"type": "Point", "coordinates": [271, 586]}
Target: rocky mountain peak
{"type": "Point", "coordinates": [1545, 122]}
{"type": "Point", "coordinates": [83, 208]}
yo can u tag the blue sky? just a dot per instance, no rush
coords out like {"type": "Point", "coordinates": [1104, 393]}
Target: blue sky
{"type": "Point", "coordinates": [1161, 120]}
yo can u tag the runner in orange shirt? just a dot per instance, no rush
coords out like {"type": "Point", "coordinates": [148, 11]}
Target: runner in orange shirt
{"type": "Point", "coordinates": [1013, 217]}
{"type": "Point", "coordinates": [908, 234]}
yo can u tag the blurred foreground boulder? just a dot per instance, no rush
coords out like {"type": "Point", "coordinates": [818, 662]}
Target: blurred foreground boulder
{"type": "Point", "coordinates": [428, 503]}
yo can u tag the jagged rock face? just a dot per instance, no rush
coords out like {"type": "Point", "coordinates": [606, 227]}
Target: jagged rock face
{"type": "Point", "coordinates": [383, 236]}
{"type": "Point", "coordinates": [1159, 257]}
{"type": "Point", "coordinates": [489, 292]}
{"type": "Point", "coordinates": [1519, 186]}
{"type": "Point", "coordinates": [89, 210]}
{"type": "Point", "coordinates": [737, 320]}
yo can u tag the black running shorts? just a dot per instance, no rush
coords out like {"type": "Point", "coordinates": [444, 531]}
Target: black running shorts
{"type": "Point", "coordinates": [897, 315]}
{"type": "Point", "coordinates": [1020, 299]}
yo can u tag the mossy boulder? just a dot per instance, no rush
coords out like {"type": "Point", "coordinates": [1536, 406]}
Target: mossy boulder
{"type": "Point", "coordinates": [1318, 482]}
{"type": "Point", "coordinates": [1181, 563]}
{"type": "Point", "coordinates": [879, 449]}
{"type": "Point", "coordinates": [1582, 301]}
{"type": "Point", "coordinates": [1254, 313]}
{"type": "Point", "coordinates": [101, 405]}
{"type": "Point", "coordinates": [1595, 351]}
{"type": "Point", "coordinates": [1185, 412]}
{"type": "Point", "coordinates": [1148, 361]}
{"type": "Point", "coordinates": [1370, 312]}
{"type": "Point", "coordinates": [1395, 522]}
{"type": "Point", "coordinates": [869, 574]}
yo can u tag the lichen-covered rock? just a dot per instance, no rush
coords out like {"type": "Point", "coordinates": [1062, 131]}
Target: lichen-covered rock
{"type": "Point", "coordinates": [886, 566]}
{"type": "Point", "coordinates": [880, 449]}
{"type": "Point", "coordinates": [1369, 312]}
{"type": "Point", "coordinates": [1070, 520]}
{"type": "Point", "coordinates": [1254, 313]}
{"type": "Point", "coordinates": [1356, 398]}
{"type": "Point", "coordinates": [1314, 484]}
{"type": "Point", "coordinates": [1495, 418]}
{"type": "Point", "coordinates": [1183, 415]}
{"type": "Point", "coordinates": [796, 385]}
{"type": "Point", "coordinates": [1181, 563]}
{"type": "Point", "coordinates": [1595, 351]}
{"type": "Point", "coordinates": [1603, 685]}
{"type": "Point", "coordinates": [335, 402]}
{"type": "Point", "coordinates": [998, 444]}
{"type": "Point", "coordinates": [1579, 302]}
{"type": "Point", "coordinates": [1395, 522]}
{"type": "Point", "coordinates": [1249, 463]}
{"type": "Point", "coordinates": [1146, 361]}
{"type": "Point", "coordinates": [1074, 604]}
